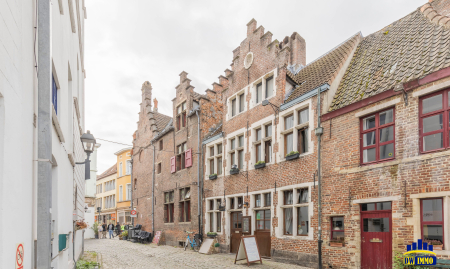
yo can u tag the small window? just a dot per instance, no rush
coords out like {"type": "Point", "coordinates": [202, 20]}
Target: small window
{"type": "Point", "coordinates": [268, 128]}
{"type": "Point", "coordinates": [268, 151]}
{"type": "Point", "coordinates": [181, 158]}
{"type": "Point", "coordinates": [241, 102]}
{"type": "Point", "coordinates": [159, 168]}
{"type": "Point", "coordinates": [211, 166]}
{"type": "Point", "coordinates": [219, 166]}
{"type": "Point", "coordinates": [337, 229]}
{"type": "Point", "coordinates": [257, 200]}
{"type": "Point", "coordinates": [288, 197]}
{"type": "Point", "coordinates": [232, 203]}
{"type": "Point", "coordinates": [288, 122]}
{"type": "Point", "coordinates": [302, 221]}
{"type": "Point", "coordinates": [241, 159]}
{"type": "Point", "coordinates": [219, 148]}
{"type": "Point", "coordinates": [302, 140]}
{"type": "Point", "coordinates": [263, 218]}
{"type": "Point", "coordinates": [303, 196]}
{"type": "Point", "coordinates": [376, 206]}
{"type": "Point", "coordinates": [258, 152]}
{"type": "Point", "coordinates": [233, 143]}
{"type": "Point", "coordinates": [161, 145]}
{"type": "Point", "coordinates": [241, 141]}
{"type": "Point", "coordinates": [303, 116]}
{"type": "Point", "coordinates": [432, 221]}
{"type": "Point", "coordinates": [288, 221]}
{"type": "Point", "coordinates": [269, 87]}
{"type": "Point", "coordinates": [258, 93]}
{"type": "Point", "coordinates": [240, 202]}
{"type": "Point", "coordinates": [267, 199]}
{"type": "Point", "coordinates": [211, 151]}
{"type": "Point", "coordinates": [258, 134]}
{"type": "Point", "coordinates": [211, 204]}
{"type": "Point", "coordinates": [233, 107]}
{"type": "Point", "coordinates": [288, 143]}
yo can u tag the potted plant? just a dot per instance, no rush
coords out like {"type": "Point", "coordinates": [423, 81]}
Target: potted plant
{"type": "Point", "coordinates": [216, 246]}
{"type": "Point", "coordinates": [125, 235]}
{"type": "Point", "coordinates": [292, 155]}
{"type": "Point", "coordinates": [211, 234]}
{"type": "Point", "coordinates": [94, 227]}
{"type": "Point", "coordinates": [213, 176]}
{"type": "Point", "coordinates": [260, 164]}
{"type": "Point", "coordinates": [80, 224]}
{"type": "Point", "coordinates": [120, 237]}
{"type": "Point", "coordinates": [437, 245]}
{"type": "Point", "coordinates": [337, 243]}
{"type": "Point", "coordinates": [234, 171]}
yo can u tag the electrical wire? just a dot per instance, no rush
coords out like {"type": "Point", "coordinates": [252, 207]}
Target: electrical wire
{"type": "Point", "coordinates": [114, 142]}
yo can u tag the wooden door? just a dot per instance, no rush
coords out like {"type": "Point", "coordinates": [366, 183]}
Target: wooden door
{"type": "Point", "coordinates": [262, 231]}
{"type": "Point", "coordinates": [235, 230]}
{"type": "Point", "coordinates": [376, 239]}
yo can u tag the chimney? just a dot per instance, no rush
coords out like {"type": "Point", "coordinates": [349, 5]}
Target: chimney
{"type": "Point", "coordinates": [155, 108]}
{"type": "Point", "coordinates": [251, 27]}
{"type": "Point", "coordinates": [298, 49]}
{"type": "Point", "coordinates": [146, 95]}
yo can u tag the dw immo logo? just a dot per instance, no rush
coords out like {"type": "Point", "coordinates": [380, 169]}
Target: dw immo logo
{"type": "Point", "coordinates": [419, 254]}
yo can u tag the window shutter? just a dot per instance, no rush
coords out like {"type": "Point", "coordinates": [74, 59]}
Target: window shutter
{"type": "Point", "coordinates": [188, 158]}
{"type": "Point", "coordinates": [172, 165]}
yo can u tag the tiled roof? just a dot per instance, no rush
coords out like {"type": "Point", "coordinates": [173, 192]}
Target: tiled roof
{"type": "Point", "coordinates": [323, 70]}
{"type": "Point", "coordinates": [441, 7]}
{"type": "Point", "coordinates": [414, 46]}
{"type": "Point", "coordinates": [110, 171]}
{"type": "Point", "coordinates": [161, 120]}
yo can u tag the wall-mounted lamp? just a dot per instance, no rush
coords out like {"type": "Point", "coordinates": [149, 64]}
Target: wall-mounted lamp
{"type": "Point", "coordinates": [88, 141]}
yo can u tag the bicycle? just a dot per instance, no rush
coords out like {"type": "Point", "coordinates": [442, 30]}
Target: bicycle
{"type": "Point", "coordinates": [195, 244]}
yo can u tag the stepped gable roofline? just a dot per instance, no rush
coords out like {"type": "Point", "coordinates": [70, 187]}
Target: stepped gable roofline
{"type": "Point", "coordinates": [110, 171]}
{"type": "Point", "coordinates": [323, 70]}
{"type": "Point", "coordinates": [408, 49]}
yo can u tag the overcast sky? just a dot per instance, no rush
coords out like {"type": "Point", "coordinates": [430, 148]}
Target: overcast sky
{"type": "Point", "coordinates": [130, 42]}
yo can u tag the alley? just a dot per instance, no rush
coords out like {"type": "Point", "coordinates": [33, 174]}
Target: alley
{"type": "Point", "coordinates": [123, 254]}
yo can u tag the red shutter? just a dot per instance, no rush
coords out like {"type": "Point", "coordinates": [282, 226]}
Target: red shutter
{"type": "Point", "coordinates": [188, 158]}
{"type": "Point", "coordinates": [172, 165]}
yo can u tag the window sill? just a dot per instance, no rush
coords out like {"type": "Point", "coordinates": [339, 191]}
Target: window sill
{"type": "Point", "coordinates": [168, 223]}
{"type": "Point", "coordinates": [377, 162]}
{"type": "Point", "coordinates": [261, 208]}
{"type": "Point", "coordinates": [299, 157]}
{"type": "Point", "coordinates": [184, 222]}
{"type": "Point", "coordinates": [303, 237]}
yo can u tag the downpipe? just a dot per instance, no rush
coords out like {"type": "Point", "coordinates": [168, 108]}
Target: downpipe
{"type": "Point", "coordinates": [319, 132]}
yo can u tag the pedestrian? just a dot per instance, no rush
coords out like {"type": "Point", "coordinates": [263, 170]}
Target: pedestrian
{"type": "Point", "coordinates": [122, 228]}
{"type": "Point", "coordinates": [111, 230]}
{"type": "Point", "coordinates": [104, 230]}
{"type": "Point", "coordinates": [118, 228]}
{"type": "Point", "coordinates": [100, 231]}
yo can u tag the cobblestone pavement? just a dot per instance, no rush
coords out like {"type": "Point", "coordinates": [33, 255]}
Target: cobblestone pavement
{"type": "Point", "coordinates": [117, 254]}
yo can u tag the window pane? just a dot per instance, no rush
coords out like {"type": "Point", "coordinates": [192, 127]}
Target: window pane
{"type": "Point", "coordinates": [434, 141]}
{"type": "Point", "coordinates": [387, 151]}
{"type": "Point", "coordinates": [338, 236]}
{"type": "Point", "coordinates": [338, 223]}
{"type": "Point", "coordinates": [432, 104]}
{"type": "Point", "coordinates": [432, 123]}
{"type": "Point", "coordinates": [269, 87]}
{"type": "Point", "coordinates": [219, 166]}
{"type": "Point", "coordinates": [376, 225]}
{"type": "Point", "coordinates": [289, 142]}
{"type": "Point", "coordinates": [259, 224]}
{"type": "Point", "coordinates": [267, 199]}
{"type": "Point", "coordinates": [288, 122]}
{"type": "Point", "coordinates": [369, 123]}
{"type": "Point", "coordinates": [384, 206]}
{"type": "Point", "coordinates": [386, 117]}
{"type": "Point", "coordinates": [387, 134]}
{"type": "Point", "coordinates": [258, 93]}
{"type": "Point", "coordinates": [288, 221]}
{"type": "Point", "coordinates": [233, 143]}
{"type": "Point", "coordinates": [259, 215]}
{"type": "Point", "coordinates": [241, 159]}
{"type": "Point", "coordinates": [211, 167]}
{"type": "Point", "coordinates": [233, 107]}
{"type": "Point", "coordinates": [267, 214]}
{"type": "Point", "coordinates": [288, 197]}
{"type": "Point", "coordinates": [369, 139]}
{"type": "Point", "coordinates": [269, 130]}
{"type": "Point", "coordinates": [433, 232]}
{"type": "Point", "coordinates": [241, 141]}
{"type": "Point", "coordinates": [303, 116]}
{"type": "Point", "coordinates": [302, 196]}
{"type": "Point", "coordinates": [367, 207]}
{"type": "Point", "coordinates": [258, 134]}
{"type": "Point", "coordinates": [258, 152]}
{"type": "Point", "coordinates": [432, 210]}
{"type": "Point", "coordinates": [302, 221]}
{"type": "Point", "coordinates": [267, 225]}
{"type": "Point", "coordinates": [233, 159]}
{"type": "Point", "coordinates": [211, 151]}
{"type": "Point", "coordinates": [219, 148]}
{"type": "Point", "coordinates": [258, 200]}
{"type": "Point", "coordinates": [241, 102]}
{"type": "Point", "coordinates": [369, 155]}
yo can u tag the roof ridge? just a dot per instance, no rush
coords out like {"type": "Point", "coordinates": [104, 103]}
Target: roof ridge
{"type": "Point", "coordinates": [429, 12]}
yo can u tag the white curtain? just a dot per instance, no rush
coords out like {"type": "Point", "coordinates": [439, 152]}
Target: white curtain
{"type": "Point", "coordinates": [288, 220]}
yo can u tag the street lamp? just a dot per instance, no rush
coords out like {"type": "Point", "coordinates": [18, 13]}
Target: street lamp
{"type": "Point", "coordinates": [88, 141]}
{"type": "Point", "coordinates": [275, 108]}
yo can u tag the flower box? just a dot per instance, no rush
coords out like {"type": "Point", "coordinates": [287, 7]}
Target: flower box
{"type": "Point", "coordinates": [259, 166]}
{"type": "Point", "coordinates": [437, 247]}
{"type": "Point", "coordinates": [212, 176]}
{"type": "Point", "coordinates": [292, 157]}
{"type": "Point", "coordinates": [212, 235]}
{"type": "Point", "coordinates": [336, 244]}
{"type": "Point", "coordinates": [234, 171]}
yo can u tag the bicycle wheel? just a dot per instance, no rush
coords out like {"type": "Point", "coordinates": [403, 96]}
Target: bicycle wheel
{"type": "Point", "coordinates": [197, 245]}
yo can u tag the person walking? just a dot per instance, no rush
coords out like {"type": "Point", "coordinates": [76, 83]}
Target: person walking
{"type": "Point", "coordinates": [100, 231]}
{"type": "Point", "coordinates": [104, 230]}
{"type": "Point", "coordinates": [118, 229]}
{"type": "Point", "coordinates": [111, 230]}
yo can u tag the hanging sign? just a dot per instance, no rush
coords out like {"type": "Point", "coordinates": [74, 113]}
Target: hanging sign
{"type": "Point", "coordinates": [157, 237]}
{"type": "Point", "coordinates": [133, 213]}
{"type": "Point", "coordinates": [19, 256]}
{"type": "Point", "coordinates": [248, 249]}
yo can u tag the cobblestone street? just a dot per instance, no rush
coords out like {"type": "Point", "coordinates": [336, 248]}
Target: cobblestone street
{"type": "Point", "coordinates": [116, 254]}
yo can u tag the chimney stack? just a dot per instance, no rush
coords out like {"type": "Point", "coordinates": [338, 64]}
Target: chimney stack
{"type": "Point", "coordinates": [155, 109]}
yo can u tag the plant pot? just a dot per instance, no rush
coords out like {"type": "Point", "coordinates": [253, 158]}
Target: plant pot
{"type": "Point", "coordinates": [336, 244]}
{"type": "Point", "coordinates": [125, 238]}
{"type": "Point", "coordinates": [213, 177]}
{"type": "Point", "coordinates": [437, 247]}
{"type": "Point", "coordinates": [292, 157]}
{"type": "Point", "coordinates": [120, 238]}
{"type": "Point", "coordinates": [212, 235]}
{"type": "Point", "coordinates": [259, 166]}
{"type": "Point", "coordinates": [234, 171]}
{"type": "Point", "coordinates": [96, 236]}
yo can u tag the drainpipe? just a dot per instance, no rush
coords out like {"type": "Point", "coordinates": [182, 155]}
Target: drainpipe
{"type": "Point", "coordinates": [44, 139]}
{"type": "Point", "coordinates": [131, 198]}
{"type": "Point", "coordinates": [198, 176]}
{"type": "Point", "coordinates": [319, 132]}
{"type": "Point", "coordinates": [153, 192]}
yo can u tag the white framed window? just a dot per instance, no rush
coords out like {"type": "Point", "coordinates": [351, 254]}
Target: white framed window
{"type": "Point", "coordinates": [214, 158]}
{"type": "Point", "coordinates": [261, 208]}
{"type": "Point", "coordinates": [128, 191]}
{"type": "Point", "coordinates": [262, 138]}
{"type": "Point", "coordinates": [263, 88]}
{"type": "Point", "coordinates": [236, 146]}
{"type": "Point", "coordinates": [237, 104]}
{"type": "Point", "coordinates": [294, 211]}
{"type": "Point", "coordinates": [120, 170]}
{"type": "Point", "coordinates": [214, 217]}
{"type": "Point", "coordinates": [128, 168]}
{"type": "Point", "coordinates": [120, 193]}
{"type": "Point", "coordinates": [295, 130]}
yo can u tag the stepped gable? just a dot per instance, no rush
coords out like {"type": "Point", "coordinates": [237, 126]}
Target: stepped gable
{"type": "Point", "coordinates": [410, 48]}
{"type": "Point", "coordinates": [322, 70]}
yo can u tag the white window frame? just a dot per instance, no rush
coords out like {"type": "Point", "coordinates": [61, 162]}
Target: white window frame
{"type": "Point", "coordinates": [261, 125]}
{"type": "Point", "coordinates": [214, 210]}
{"type": "Point", "coordinates": [263, 80]}
{"type": "Point", "coordinates": [253, 209]}
{"type": "Point", "coordinates": [279, 231]}
{"type": "Point", "coordinates": [128, 193]}
{"type": "Point", "coordinates": [120, 193]}
{"type": "Point", "coordinates": [235, 135]}
{"type": "Point", "coordinates": [216, 156]}
{"type": "Point", "coordinates": [128, 167]}
{"type": "Point", "coordinates": [281, 131]}
{"type": "Point", "coordinates": [236, 96]}
{"type": "Point", "coordinates": [120, 169]}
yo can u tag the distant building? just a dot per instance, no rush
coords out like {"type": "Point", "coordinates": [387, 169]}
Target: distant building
{"type": "Point", "coordinates": [105, 197]}
{"type": "Point", "coordinates": [123, 186]}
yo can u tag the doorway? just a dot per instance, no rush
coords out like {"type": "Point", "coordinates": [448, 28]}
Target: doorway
{"type": "Point", "coordinates": [262, 231]}
{"type": "Point", "coordinates": [376, 235]}
{"type": "Point", "coordinates": [235, 231]}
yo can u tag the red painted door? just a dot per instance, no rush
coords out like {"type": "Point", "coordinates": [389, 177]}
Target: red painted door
{"type": "Point", "coordinates": [376, 239]}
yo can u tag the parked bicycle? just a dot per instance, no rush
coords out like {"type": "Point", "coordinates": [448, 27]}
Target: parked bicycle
{"type": "Point", "coordinates": [195, 243]}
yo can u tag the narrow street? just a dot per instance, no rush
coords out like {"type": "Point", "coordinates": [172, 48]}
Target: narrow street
{"type": "Point", "coordinates": [124, 254]}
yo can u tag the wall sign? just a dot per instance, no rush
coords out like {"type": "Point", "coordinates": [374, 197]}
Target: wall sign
{"type": "Point", "coordinates": [248, 249]}
{"type": "Point", "coordinates": [19, 256]}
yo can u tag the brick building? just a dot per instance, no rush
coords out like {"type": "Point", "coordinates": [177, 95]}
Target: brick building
{"type": "Point", "coordinates": [386, 110]}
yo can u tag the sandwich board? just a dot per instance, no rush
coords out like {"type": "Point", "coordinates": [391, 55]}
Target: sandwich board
{"type": "Point", "coordinates": [248, 249]}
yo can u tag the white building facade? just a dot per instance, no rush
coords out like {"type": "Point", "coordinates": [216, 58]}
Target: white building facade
{"type": "Point", "coordinates": [19, 145]}
{"type": "Point", "coordinates": [89, 194]}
